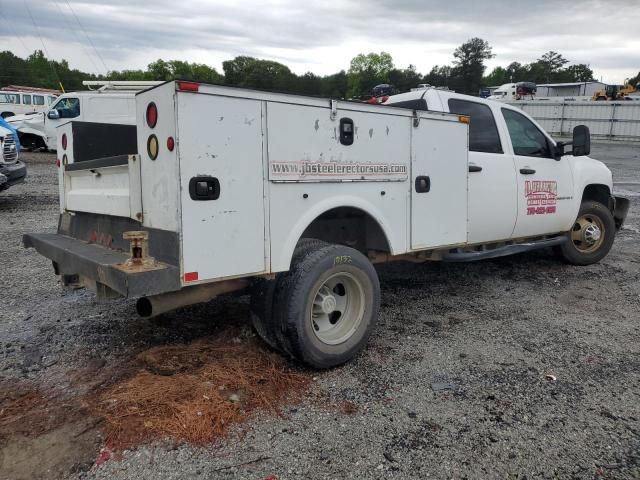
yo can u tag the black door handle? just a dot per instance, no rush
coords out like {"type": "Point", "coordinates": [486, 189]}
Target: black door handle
{"type": "Point", "coordinates": [204, 188]}
{"type": "Point", "coordinates": [527, 171]}
{"type": "Point", "coordinates": [423, 184]}
{"type": "Point", "coordinates": [475, 168]}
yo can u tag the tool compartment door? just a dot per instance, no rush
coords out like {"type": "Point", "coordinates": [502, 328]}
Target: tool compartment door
{"type": "Point", "coordinates": [439, 170]}
{"type": "Point", "coordinates": [220, 144]}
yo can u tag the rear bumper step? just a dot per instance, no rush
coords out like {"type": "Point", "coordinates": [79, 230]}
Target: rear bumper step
{"type": "Point", "coordinates": [102, 265]}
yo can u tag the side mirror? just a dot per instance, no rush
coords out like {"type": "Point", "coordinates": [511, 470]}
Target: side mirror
{"type": "Point", "coordinates": [53, 114]}
{"type": "Point", "coordinates": [581, 141]}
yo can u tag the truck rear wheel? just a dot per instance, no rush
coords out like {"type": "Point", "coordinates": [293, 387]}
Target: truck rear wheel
{"type": "Point", "coordinates": [327, 305]}
{"type": "Point", "coordinates": [592, 235]}
{"type": "Point", "coordinates": [262, 294]}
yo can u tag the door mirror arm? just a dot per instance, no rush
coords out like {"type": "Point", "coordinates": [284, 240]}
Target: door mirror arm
{"type": "Point", "coordinates": [558, 150]}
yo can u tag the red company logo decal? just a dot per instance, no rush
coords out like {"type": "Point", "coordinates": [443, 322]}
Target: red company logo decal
{"type": "Point", "coordinates": [541, 196]}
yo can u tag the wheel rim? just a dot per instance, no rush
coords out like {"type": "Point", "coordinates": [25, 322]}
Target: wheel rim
{"type": "Point", "coordinates": [338, 308]}
{"type": "Point", "coordinates": [588, 233]}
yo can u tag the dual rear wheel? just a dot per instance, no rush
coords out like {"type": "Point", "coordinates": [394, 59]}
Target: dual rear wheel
{"type": "Point", "coordinates": [323, 309]}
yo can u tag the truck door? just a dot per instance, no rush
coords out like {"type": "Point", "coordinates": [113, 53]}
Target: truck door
{"type": "Point", "coordinates": [439, 184]}
{"type": "Point", "coordinates": [492, 176]}
{"type": "Point", "coordinates": [545, 185]}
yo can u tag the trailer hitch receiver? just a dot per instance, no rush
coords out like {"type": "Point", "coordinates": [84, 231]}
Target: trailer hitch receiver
{"type": "Point", "coordinates": [139, 251]}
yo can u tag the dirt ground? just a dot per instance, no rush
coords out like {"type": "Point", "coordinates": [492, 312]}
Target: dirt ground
{"type": "Point", "coordinates": [518, 368]}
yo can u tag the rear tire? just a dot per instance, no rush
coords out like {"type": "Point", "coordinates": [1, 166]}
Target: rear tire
{"type": "Point", "coordinates": [262, 295]}
{"type": "Point", "coordinates": [327, 305]}
{"type": "Point", "coordinates": [591, 237]}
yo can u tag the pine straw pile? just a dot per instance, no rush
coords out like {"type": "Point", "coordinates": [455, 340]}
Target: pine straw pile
{"type": "Point", "coordinates": [195, 392]}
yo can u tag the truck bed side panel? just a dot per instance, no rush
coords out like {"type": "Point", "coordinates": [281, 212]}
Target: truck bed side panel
{"type": "Point", "coordinates": [220, 139]}
{"type": "Point", "coordinates": [439, 216]}
{"type": "Point", "coordinates": [312, 172]}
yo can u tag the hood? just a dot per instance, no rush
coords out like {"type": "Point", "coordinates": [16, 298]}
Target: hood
{"type": "Point", "coordinates": [34, 120]}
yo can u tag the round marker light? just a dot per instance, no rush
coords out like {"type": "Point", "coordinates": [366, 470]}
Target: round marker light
{"type": "Point", "coordinates": [152, 115]}
{"type": "Point", "coordinates": [64, 141]}
{"type": "Point", "coordinates": [152, 147]}
{"type": "Point", "coordinates": [65, 160]}
{"type": "Point", "coordinates": [171, 144]}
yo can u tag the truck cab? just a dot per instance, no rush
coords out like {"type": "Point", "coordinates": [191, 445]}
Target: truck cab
{"type": "Point", "coordinates": [514, 91]}
{"type": "Point", "coordinates": [520, 184]}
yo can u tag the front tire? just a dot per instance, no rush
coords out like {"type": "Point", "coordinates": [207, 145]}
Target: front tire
{"type": "Point", "coordinates": [327, 305]}
{"type": "Point", "coordinates": [591, 236]}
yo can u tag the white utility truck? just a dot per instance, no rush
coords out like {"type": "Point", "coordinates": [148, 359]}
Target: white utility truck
{"type": "Point", "coordinates": [219, 189]}
{"type": "Point", "coordinates": [111, 102]}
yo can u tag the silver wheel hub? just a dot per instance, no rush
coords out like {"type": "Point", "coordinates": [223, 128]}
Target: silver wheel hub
{"type": "Point", "coordinates": [592, 234]}
{"type": "Point", "coordinates": [338, 308]}
{"type": "Point", "coordinates": [328, 304]}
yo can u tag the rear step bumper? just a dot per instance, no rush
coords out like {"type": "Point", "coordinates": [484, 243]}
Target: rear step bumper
{"type": "Point", "coordinates": [102, 265]}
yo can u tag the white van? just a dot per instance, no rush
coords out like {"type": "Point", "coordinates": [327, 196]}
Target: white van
{"type": "Point", "coordinates": [21, 102]}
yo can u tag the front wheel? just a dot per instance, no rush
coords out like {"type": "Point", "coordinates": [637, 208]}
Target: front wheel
{"type": "Point", "coordinates": [327, 305]}
{"type": "Point", "coordinates": [592, 235]}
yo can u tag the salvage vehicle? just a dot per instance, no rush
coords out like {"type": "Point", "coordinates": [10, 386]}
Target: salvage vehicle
{"type": "Point", "coordinates": [219, 189]}
{"type": "Point", "coordinates": [514, 91]}
{"type": "Point", "coordinates": [113, 102]}
{"type": "Point", "coordinates": [12, 170]}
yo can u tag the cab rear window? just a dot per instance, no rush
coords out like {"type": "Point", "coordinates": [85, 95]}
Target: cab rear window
{"type": "Point", "coordinates": [483, 132]}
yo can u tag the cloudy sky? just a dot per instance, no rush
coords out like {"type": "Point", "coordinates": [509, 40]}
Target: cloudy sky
{"type": "Point", "coordinates": [322, 37]}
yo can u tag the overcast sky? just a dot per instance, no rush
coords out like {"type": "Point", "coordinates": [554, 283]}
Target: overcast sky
{"type": "Point", "coordinates": [322, 37]}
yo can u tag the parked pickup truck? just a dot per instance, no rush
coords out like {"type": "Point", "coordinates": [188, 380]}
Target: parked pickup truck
{"type": "Point", "coordinates": [12, 170]}
{"type": "Point", "coordinates": [218, 189]}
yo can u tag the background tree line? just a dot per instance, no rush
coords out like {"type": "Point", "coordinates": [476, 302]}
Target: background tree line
{"type": "Point", "coordinates": [465, 74]}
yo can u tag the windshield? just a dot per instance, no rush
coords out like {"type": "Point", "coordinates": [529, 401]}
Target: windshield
{"type": "Point", "coordinates": [8, 98]}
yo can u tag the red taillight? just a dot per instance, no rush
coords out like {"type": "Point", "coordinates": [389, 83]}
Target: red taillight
{"type": "Point", "coordinates": [152, 115]}
{"type": "Point", "coordinates": [58, 162]}
{"type": "Point", "coordinates": [171, 144]}
{"type": "Point", "coordinates": [64, 141]}
{"type": "Point", "coordinates": [188, 86]}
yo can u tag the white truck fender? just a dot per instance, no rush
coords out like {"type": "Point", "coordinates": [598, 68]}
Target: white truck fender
{"type": "Point", "coordinates": [31, 131]}
{"type": "Point", "coordinates": [281, 255]}
{"type": "Point", "coordinates": [588, 171]}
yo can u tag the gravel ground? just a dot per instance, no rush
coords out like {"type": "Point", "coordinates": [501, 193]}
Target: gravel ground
{"type": "Point", "coordinates": [453, 384]}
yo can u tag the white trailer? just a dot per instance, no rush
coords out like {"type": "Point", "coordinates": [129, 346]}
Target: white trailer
{"type": "Point", "coordinates": [219, 189]}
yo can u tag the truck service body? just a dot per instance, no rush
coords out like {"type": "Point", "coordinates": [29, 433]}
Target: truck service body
{"type": "Point", "coordinates": [217, 189]}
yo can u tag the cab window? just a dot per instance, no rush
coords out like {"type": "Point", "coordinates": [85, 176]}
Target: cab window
{"type": "Point", "coordinates": [38, 100]}
{"type": "Point", "coordinates": [526, 138]}
{"type": "Point", "coordinates": [68, 107]}
{"type": "Point", "coordinates": [483, 132]}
